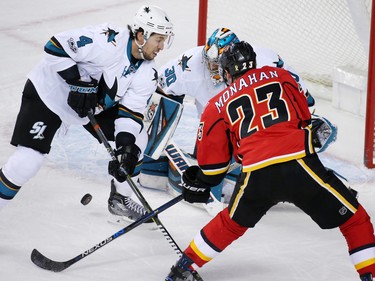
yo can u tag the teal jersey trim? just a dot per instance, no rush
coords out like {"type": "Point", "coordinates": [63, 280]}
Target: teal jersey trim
{"type": "Point", "coordinates": [53, 47]}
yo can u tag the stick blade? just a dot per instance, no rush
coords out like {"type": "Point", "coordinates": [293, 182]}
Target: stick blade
{"type": "Point", "coordinates": [43, 262]}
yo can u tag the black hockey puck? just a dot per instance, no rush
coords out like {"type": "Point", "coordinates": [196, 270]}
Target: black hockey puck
{"type": "Point", "coordinates": [86, 199]}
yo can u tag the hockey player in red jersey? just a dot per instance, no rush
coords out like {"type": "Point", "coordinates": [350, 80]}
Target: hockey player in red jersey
{"type": "Point", "coordinates": [195, 73]}
{"type": "Point", "coordinates": [262, 119]}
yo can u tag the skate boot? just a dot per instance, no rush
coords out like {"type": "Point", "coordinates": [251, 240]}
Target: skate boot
{"type": "Point", "coordinates": [124, 206]}
{"type": "Point", "coordinates": [366, 277]}
{"type": "Point", "coordinates": [182, 271]}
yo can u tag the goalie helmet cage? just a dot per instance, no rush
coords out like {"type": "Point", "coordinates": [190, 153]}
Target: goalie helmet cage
{"type": "Point", "coordinates": [299, 31]}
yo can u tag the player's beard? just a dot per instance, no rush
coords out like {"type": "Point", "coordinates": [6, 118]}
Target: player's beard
{"type": "Point", "coordinates": [148, 57]}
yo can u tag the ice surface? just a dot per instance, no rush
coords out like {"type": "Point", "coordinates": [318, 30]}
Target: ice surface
{"type": "Point", "coordinates": [47, 214]}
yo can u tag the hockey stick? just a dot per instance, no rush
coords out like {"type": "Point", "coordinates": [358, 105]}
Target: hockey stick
{"type": "Point", "coordinates": [57, 266]}
{"type": "Point", "coordinates": [139, 195]}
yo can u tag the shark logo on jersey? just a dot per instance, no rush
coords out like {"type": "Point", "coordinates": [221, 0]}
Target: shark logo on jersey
{"type": "Point", "coordinates": [156, 76]}
{"type": "Point", "coordinates": [106, 95]}
{"type": "Point", "coordinates": [38, 129]}
{"type": "Point", "coordinates": [111, 34]}
{"type": "Point", "coordinates": [183, 62]}
{"type": "Point", "coordinates": [279, 63]}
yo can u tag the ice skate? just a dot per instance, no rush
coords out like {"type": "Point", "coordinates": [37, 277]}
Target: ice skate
{"type": "Point", "coordinates": [182, 271]}
{"type": "Point", "coordinates": [366, 277]}
{"type": "Point", "coordinates": [124, 206]}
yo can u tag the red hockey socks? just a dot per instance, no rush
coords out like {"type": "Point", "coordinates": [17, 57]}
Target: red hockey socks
{"type": "Point", "coordinates": [219, 233]}
{"type": "Point", "coordinates": [359, 234]}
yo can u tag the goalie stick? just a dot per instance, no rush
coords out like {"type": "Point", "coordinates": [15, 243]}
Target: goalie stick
{"type": "Point", "coordinates": [43, 262]}
{"type": "Point", "coordinates": [139, 195]}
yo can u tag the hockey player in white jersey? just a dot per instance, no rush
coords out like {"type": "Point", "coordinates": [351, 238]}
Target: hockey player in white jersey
{"type": "Point", "coordinates": [100, 68]}
{"type": "Point", "coordinates": [195, 73]}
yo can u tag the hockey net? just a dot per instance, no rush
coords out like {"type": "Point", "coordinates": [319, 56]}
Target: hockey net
{"type": "Point", "coordinates": [316, 36]}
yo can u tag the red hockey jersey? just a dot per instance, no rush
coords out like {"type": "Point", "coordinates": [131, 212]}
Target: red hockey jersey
{"type": "Point", "coordinates": [261, 119]}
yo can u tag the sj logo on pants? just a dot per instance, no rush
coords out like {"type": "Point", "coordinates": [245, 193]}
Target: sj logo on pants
{"type": "Point", "coordinates": [38, 129]}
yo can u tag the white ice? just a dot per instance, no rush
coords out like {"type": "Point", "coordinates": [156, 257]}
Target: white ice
{"type": "Point", "coordinates": [47, 215]}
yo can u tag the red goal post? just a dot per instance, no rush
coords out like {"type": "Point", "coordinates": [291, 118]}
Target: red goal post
{"type": "Point", "coordinates": [316, 36]}
{"type": "Point", "coordinates": [369, 153]}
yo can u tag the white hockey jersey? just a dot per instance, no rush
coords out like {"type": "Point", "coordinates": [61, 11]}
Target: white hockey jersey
{"type": "Point", "coordinates": [101, 52]}
{"type": "Point", "coordinates": [188, 75]}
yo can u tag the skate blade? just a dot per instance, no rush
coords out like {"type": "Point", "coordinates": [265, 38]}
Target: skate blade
{"type": "Point", "coordinates": [124, 221]}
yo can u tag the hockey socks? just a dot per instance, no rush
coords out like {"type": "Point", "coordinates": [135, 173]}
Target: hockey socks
{"type": "Point", "coordinates": [219, 233]}
{"type": "Point", "coordinates": [359, 234]}
{"type": "Point", "coordinates": [7, 189]}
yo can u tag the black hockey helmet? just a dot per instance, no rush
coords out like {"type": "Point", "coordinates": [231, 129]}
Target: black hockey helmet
{"type": "Point", "coordinates": [237, 59]}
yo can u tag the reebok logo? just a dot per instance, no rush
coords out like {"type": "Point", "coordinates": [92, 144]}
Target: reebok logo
{"type": "Point", "coordinates": [343, 210]}
{"type": "Point", "coordinates": [37, 130]}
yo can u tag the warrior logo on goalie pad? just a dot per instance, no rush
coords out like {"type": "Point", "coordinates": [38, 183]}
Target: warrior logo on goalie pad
{"type": "Point", "coordinates": [177, 158]}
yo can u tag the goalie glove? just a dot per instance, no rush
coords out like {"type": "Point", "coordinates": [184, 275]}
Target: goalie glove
{"type": "Point", "coordinates": [82, 96]}
{"type": "Point", "coordinates": [323, 133]}
{"type": "Point", "coordinates": [193, 190]}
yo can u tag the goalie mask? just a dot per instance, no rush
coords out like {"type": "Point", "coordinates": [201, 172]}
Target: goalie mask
{"type": "Point", "coordinates": [237, 59]}
{"type": "Point", "coordinates": [213, 49]}
{"type": "Point", "coordinates": [150, 20]}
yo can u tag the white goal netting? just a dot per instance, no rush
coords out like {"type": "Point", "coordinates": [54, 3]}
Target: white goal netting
{"type": "Point", "coordinates": [312, 36]}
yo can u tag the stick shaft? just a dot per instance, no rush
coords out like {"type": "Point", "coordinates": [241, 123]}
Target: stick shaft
{"type": "Point", "coordinates": [56, 266]}
{"type": "Point", "coordinates": [135, 189]}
